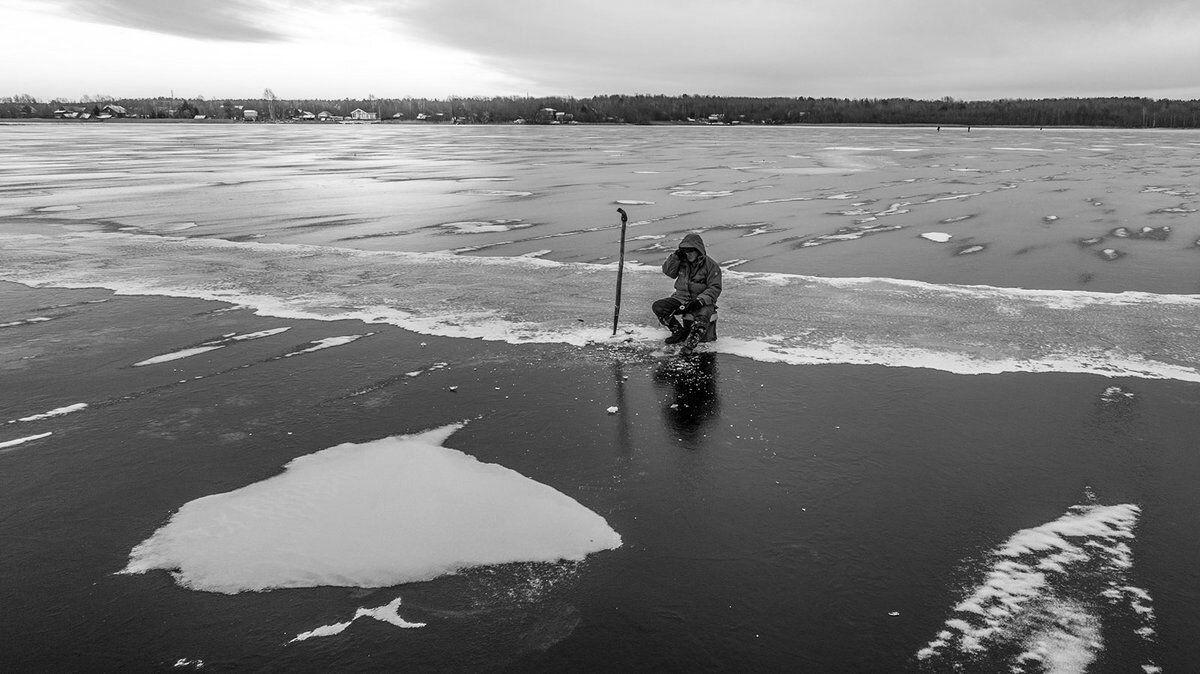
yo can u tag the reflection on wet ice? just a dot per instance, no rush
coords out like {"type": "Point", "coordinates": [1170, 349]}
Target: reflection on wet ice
{"type": "Point", "coordinates": [693, 401]}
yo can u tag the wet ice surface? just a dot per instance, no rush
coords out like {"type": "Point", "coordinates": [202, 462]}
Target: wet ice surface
{"type": "Point", "coordinates": [837, 517]}
{"type": "Point", "coordinates": [847, 492]}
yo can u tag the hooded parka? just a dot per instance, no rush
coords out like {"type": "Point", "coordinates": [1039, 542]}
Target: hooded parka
{"type": "Point", "coordinates": [700, 280]}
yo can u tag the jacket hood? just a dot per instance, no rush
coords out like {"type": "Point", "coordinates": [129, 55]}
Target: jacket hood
{"type": "Point", "coordinates": [693, 240]}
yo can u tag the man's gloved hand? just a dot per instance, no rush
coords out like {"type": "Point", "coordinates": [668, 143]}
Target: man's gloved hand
{"type": "Point", "coordinates": [681, 255]}
{"type": "Point", "coordinates": [693, 306]}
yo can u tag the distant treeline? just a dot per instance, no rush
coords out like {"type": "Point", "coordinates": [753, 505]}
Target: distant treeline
{"type": "Point", "coordinates": [1126, 112]}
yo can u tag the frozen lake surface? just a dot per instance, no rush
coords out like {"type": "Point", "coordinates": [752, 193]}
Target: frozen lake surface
{"type": "Point", "coordinates": [1036, 208]}
{"type": "Point", "coordinates": [949, 421]}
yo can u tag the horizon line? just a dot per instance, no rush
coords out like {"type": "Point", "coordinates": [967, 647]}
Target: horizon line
{"type": "Point", "coordinates": [368, 97]}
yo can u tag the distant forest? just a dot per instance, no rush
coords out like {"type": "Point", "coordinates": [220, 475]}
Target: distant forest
{"type": "Point", "coordinates": [1126, 112]}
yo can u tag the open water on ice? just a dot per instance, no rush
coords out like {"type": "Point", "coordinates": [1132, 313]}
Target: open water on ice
{"type": "Point", "coordinates": [1013, 492]}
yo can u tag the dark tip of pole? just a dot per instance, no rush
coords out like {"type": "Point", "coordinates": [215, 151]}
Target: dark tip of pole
{"type": "Point", "coordinates": [622, 212]}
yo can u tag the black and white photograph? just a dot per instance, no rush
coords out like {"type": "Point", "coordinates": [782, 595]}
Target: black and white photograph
{"type": "Point", "coordinates": [477, 336]}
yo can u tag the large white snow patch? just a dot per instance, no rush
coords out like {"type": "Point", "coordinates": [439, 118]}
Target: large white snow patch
{"type": "Point", "coordinates": [390, 511]}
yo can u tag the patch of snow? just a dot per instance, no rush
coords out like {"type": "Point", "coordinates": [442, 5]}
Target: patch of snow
{"type": "Point", "coordinates": [396, 510]}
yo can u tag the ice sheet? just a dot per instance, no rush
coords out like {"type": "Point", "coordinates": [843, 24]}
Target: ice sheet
{"type": "Point", "coordinates": [391, 511]}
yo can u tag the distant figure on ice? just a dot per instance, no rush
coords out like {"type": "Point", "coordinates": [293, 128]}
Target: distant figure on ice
{"type": "Point", "coordinates": [690, 314]}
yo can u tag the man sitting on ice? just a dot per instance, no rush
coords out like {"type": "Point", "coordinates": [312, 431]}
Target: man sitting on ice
{"type": "Point", "coordinates": [697, 286]}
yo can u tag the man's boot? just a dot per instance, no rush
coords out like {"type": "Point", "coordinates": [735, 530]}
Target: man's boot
{"type": "Point", "coordinates": [693, 338]}
{"type": "Point", "coordinates": [678, 333]}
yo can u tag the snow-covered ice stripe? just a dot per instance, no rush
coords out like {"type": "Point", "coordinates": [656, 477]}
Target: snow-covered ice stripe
{"type": "Point", "coordinates": [21, 441]}
{"type": "Point", "coordinates": [58, 412]}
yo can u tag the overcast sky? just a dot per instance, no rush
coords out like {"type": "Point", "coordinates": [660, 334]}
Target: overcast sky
{"type": "Point", "coordinates": [968, 49]}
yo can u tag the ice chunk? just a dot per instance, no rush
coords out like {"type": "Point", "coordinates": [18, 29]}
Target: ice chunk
{"type": "Point", "coordinates": [209, 346]}
{"type": "Point", "coordinates": [390, 511]}
{"type": "Point", "coordinates": [327, 343]}
{"type": "Point", "coordinates": [388, 614]}
{"type": "Point", "coordinates": [177, 355]}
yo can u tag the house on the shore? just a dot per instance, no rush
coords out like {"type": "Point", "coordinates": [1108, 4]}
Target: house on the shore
{"type": "Point", "coordinates": [72, 112]}
{"type": "Point", "coordinates": [82, 112]}
{"type": "Point", "coordinates": [250, 115]}
{"type": "Point", "coordinates": [324, 116]}
{"type": "Point", "coordinates": [363, 115]}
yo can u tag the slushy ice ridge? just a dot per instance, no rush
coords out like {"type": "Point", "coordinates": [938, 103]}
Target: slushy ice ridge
{"type": "Point", "coordinates": [770, 317]}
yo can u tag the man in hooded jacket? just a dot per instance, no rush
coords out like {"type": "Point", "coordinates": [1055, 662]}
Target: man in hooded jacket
{"type": "Point", "coordinates": [697, 286]}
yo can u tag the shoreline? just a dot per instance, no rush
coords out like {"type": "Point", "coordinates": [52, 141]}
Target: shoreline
{"type": "Point", "coordinates": [413, 122]}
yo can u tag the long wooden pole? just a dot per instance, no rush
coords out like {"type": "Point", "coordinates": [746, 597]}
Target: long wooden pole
{"type": "Point", "coordinates": [620, 269]}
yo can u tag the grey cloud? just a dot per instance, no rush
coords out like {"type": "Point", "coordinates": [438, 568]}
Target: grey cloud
{"type": "Point", "coordinates": [815, 47]}
{"type": "Point", "coordinates": [852, 48]}
{"type": "Point", "coordinates": [622, 45]}
{"type": "Point", "coordinates": [224, 20]}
